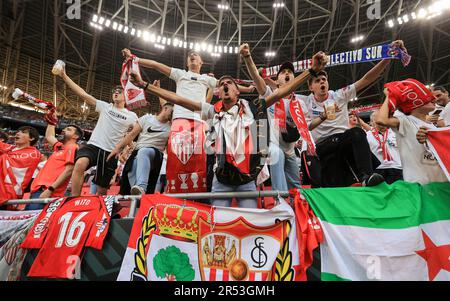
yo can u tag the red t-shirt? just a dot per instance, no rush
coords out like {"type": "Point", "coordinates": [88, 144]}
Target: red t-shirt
{"type": "Point", "coordinates": [16, 170]}
{"type": "Point", "coordinates": [62, 229]}
{"type": "Point", "coordinates": [63, 155]}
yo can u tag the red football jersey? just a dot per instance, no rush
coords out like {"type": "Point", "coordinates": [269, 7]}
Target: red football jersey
{"type": "Point", "coordinates": [61, 231]}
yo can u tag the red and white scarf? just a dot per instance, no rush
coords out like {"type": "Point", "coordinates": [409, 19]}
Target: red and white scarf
{"type": "Point", "coordinates": [134, 96]}
{"type": "Point", "coordinates": [295, 108]}
{"type": "Point", "coordinates": [382, 139]}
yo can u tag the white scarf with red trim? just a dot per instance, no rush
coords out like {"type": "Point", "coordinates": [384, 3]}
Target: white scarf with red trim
{"type": "Point", "coordinates": [382, 139]}
{"type": "Point", "coordinates": [134, 96]}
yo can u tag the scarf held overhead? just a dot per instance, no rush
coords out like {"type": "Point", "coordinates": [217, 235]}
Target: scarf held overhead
{"type": "Point", "coordinates": [367, 54]}
{"type": "Point", "coordinates": [134, 96]}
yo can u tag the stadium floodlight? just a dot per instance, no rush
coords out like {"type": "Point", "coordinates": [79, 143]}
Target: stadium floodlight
{"type": "Point", "coordinates": [185, 45]}
{"type": "Point", "coordinates": [405, 18]}
{"type": "Point", "coordinates": [236, 50]}
{"type": "Point", "coordinates": [115, 25]}
{"type": "Point", "coordinates": [230, 50]}
{"type": "Point", "coordinates": [400, 21]}
{"type": "Point", "coordinates": [95, 18]}
{"type": "Point", "coordinates": [422, 13]}
{"type": "Point", "coordinates": [278, 4]}
{"type": "Point", "coordinates": [223, 6]}
{"type": "Point", "coordinates": [204, 46]}
{"type": "Point", "coordinates": [210, 48]}
{"type": "Point", "coordinates": [139, 33]}
{"type": "Point", "coordinates": [159, 46]}
{"type": "Point", "coordinates": [153, 38]}
{"type": "Point", "coordinates": [357, 39]}
{"type": "Point", "coordinates": [101, 20]}
{"type": "Point", "coordinates": [270, 53]}
{"type": "Point", "coordinates": [120, 27]}
{"type": "Point", "coordinates": [413, 15]}
{"type": "Point", "coordinates": [146, 36]}
{"type": "Point", "coordinates": [391, 23]}
{"type": "Point", "coordinates": [214, 54]}
{"type": "Point", "coordinates": [197, 47]}
{"type": "Point", "coordinates": [133, 32]}
{"type": "Point", "coordinates": [163, 40]}
{"type": "Point", "coordinates": [125, 29]}
{"type": "Point", "coordinates": [107, 23]}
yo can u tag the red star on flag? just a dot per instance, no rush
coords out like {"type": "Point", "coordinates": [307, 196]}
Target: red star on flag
{"type": "Point", "coordinates": [437, 257]}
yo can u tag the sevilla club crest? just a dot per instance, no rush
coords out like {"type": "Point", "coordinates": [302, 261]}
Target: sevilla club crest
{"type": "Point", "coordinates": [238, 250]}
{"type": "Point", "coordinates": [184, 145]}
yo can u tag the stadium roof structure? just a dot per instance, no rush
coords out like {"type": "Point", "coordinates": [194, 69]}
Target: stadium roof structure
{"type": "Point", "coordinates": [34, 33]}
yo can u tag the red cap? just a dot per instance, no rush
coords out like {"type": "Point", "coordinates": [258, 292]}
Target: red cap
{"type": "Point", "coordinates": [408, 95]}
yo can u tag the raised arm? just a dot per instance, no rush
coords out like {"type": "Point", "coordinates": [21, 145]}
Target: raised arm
{"type": "Point", "coordinates": [167, 95]}
{"type": "Point", "coordinates": [89, 99]}
{"type": "Point", "coordinates": [164, 69]}
{"type": "Point", "coordinates": [162, 101]}
{"type": "Point", "coordinates": [319, 60]}
{"type": "Point", "coordinates": [377, 70]}
{"type": "Point", "coordinates": [50, 135]}
{"type": "Point", "coordinates": [260, 85]}
{"type": "Point", "coordinates": [383, 117]}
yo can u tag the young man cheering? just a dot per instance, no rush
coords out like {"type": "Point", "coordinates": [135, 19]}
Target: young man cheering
{"type": "Point", "coordinates": [186, 170]}
{"type": "Point", "coordinates": [17, 163]}
{"type": "Point", "coordinates": [238, 161]}
{"type": "Point", "coordinates": [53, 178]}
{"type": "Point", "coordinates": [284, 170]}
{"type": "Point", "coordinates": [153, 132]}
{"type": "Point", "coordinates": [344, 153]}
{"type": "Point", "coordinates": [112, 125]}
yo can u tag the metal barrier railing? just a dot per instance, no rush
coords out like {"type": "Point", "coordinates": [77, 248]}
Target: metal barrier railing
{"type": "Point", "coordinates": [134, 199]}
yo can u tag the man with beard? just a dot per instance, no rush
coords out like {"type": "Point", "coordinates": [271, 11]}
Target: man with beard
{"type": "Point", "coordinates": [54, 177]}
{"type": "Point", "coordinates": [232, 121]}
{"type": "Point", "coordinates": [441, 115]}
{"type": "Point", "coordinates": [186, 155]}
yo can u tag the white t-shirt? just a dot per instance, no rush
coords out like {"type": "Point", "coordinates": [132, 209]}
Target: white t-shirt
{"type": "Point", "coordinates": [275, 136]}
{"type": "Point", "coordinates": [445, 114]}
{"type": "Point", "coordinates": [330, 127]}
{"type": "Point", "coordinates": [193, 86]}
{"type": "Point", "coordinates": [154, 133]}
{"type": "Point", "coordinates": [419, 164]}
{"type": "Point", "coordinates": [112, 125]}
{"type": "Point", "coordinates": [392, 148]}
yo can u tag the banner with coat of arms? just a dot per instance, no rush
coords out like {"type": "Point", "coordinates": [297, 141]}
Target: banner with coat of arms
{"type": "Point", "coordinates": [177, 240]}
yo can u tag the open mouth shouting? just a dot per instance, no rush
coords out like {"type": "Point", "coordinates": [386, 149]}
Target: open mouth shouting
{"type": "Point", "coordinates": [287, 79]}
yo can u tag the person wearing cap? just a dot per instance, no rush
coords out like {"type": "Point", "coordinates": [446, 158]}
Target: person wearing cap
{"type": "Point", "coordinates": [344, 153]}
{"type": "Point", "coordinates": [186, 153]}
{"type": "Point", "coordinates": [238, 161]}
{"type": "Point", "coordinates": [414, 101]}
{"type": "Point", "coordinates": [284, 169]}
{"type": "Point", "coordinates": [53, 179]}
{"type": "Point", "coordinates": [112, 125]}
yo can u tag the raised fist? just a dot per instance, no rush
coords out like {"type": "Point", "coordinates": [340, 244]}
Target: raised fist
{"type": "Point", "coordinates": [244, 50]}
{"type": "Point", "coordinates": [126, 53]}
